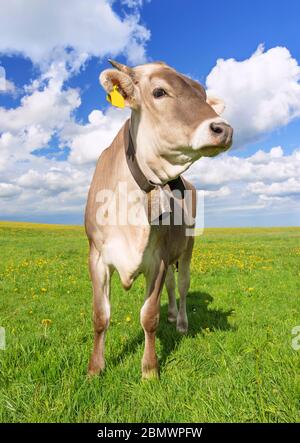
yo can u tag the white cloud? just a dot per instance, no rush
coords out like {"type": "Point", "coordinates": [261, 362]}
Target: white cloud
{"type": "Point", "coordinates": [89, 140]}
{"type": "Point", "coordinates": [269, 166]}
{"type": "Point", "coordinates": [222, 192]}
{"type": "Point", "coordinates": [49, 187]}
{"type": "Point", "coordinates": [258, 187]}
{"type": "Point", "coordinates": [43, 30]}
{"type": "Point", "coordinates": [264, 157]}
{"type": "Point", "coordinates": [2, 79]}
{"type": "Point", "coordinates": [47, 108]}
{"type": "Point", "coordinates": [56, 180]}
{"type": "Point", "coordinates": [261, 93]}
{"type": "Point", "coordinates": [286, 188]}
{"type": "Point", "coordinates": [132, 3]}
{"type": "Point", "coordinates": [42, 113]}
{"type": "Point", "coordinates": [7, 86]}
{"type": "Point", "coordinates": [8, 190]}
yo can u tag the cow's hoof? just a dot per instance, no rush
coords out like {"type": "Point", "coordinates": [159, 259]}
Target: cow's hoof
{"type": "Point", "coordinates": [150, 374]}
{"type": "Point", "coordinates": [95, 369]}
{"type": "Point", "coordinates": [182, 327]}
{"type": "Point", "coordinates": [92, 373]}
{"type": "Point", "coordinates": [172, 317]}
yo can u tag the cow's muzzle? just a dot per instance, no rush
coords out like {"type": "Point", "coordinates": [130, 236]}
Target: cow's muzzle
{"type": "Point", "coordinates": [222, 134]}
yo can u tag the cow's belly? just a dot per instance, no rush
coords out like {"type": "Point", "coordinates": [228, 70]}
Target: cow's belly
{"type": "Point", "coordinates": [134, 250]}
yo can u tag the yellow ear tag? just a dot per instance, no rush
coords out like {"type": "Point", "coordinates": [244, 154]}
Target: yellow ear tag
{"type": "Point", "coordinates": [115, 98]}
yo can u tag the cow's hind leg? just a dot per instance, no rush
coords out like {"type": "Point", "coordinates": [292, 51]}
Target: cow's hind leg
{"type": "Point", "coordinates": [100, 275]}
{"type": "Point", "coordinates": [150, 319]}
{"type": "Point", "coordinates": [183, 286]}
{"type": "Point", "coordinates": [171, 290]}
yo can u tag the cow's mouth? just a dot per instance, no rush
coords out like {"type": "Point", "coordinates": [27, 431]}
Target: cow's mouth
{"type": "Point", "coordinates": [212, 138]}
{"type": "Point", "coordinates": [212, 151]}
{"type": "Point", "coordinates": [222, 140]}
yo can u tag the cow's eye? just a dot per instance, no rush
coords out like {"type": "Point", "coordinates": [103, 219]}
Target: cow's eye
{"type": "Point", "coordinates": [159, 92]}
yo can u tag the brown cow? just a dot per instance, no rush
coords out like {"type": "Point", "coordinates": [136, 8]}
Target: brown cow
{"type": "Point", "coordinates": [173, 123]}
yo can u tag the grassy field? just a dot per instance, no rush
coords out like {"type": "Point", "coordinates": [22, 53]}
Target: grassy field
{"type": "Point", "coordinates": [236, 363]}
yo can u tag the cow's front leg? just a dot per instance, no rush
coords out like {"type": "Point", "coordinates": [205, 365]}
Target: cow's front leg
{"type": "Point", "coordinates": [150, 320]}
{"type": "Point", "coordinates": [100, 275]}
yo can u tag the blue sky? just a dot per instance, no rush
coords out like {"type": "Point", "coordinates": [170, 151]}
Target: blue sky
{"type": "Point", "coordinates": [47, 161]}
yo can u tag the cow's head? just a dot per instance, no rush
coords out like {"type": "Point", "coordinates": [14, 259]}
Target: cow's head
{"type": "Point", "coordinates": [173, 120]}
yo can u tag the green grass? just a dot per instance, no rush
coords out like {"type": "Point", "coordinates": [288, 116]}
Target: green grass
{"type": "Point", "coordinates": [235, 364]}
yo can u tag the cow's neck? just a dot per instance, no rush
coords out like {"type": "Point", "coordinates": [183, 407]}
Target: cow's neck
{"type": "Point", "coordinates": [157, 169]}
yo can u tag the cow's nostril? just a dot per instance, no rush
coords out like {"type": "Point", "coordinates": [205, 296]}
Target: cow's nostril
{"type": "Point", "coordinates": [216, 128]}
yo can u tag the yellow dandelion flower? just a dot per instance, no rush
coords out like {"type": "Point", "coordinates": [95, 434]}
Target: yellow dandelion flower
{"type": "Point", "coordinates": [46, 322]}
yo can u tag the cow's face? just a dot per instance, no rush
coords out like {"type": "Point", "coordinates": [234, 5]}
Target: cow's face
{"type": "Point", "coordinates": [173, 110]}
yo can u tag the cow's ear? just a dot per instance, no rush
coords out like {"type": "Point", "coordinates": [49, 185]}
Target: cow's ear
{"type": "Point", "coordinates": [112, 77]}
{"type": "Point", "coordinates": [216, 103]}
